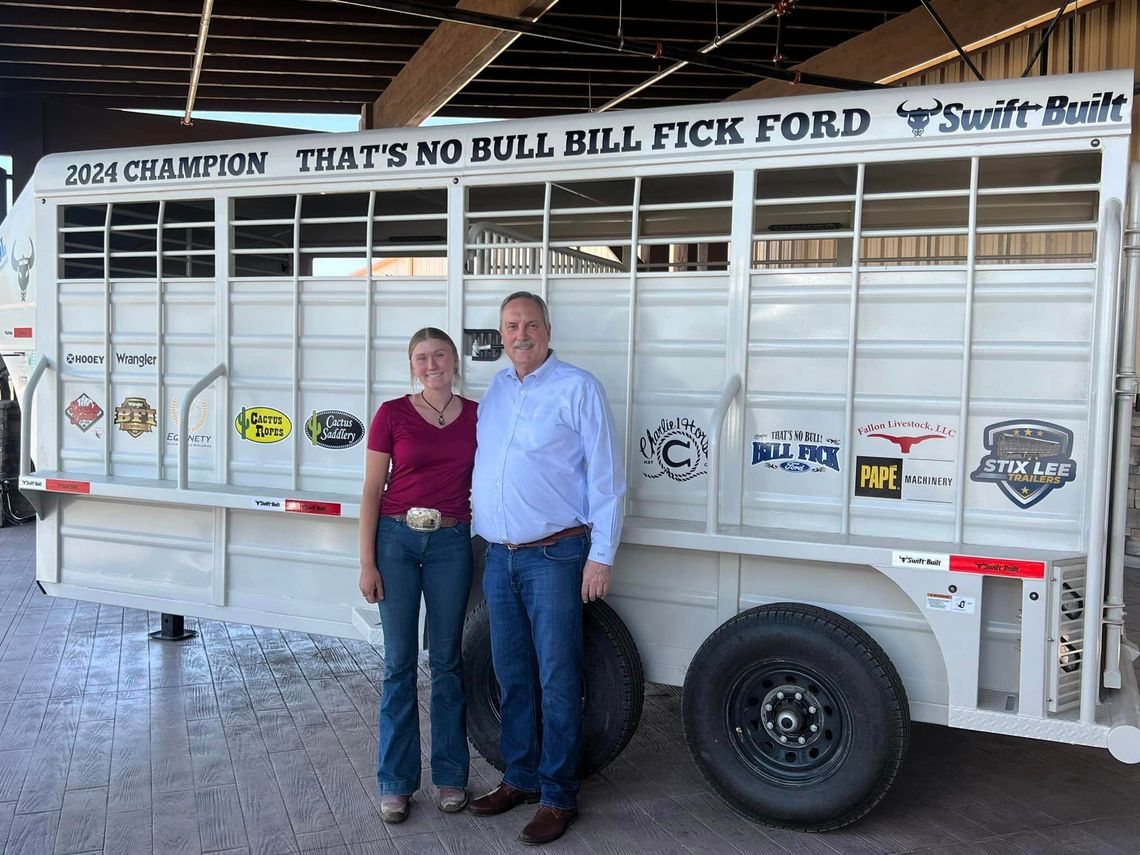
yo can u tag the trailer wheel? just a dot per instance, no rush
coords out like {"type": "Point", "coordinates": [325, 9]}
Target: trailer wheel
{"type": "Point", "coordinates": [612, 694]}
{"type": "Point", "coordinates": [795, 716]}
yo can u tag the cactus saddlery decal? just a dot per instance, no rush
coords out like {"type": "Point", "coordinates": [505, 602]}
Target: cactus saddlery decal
{"type": "Point", "coordinates": [334, 429]}
{"type": "Point", "coordinates": [262, 424]}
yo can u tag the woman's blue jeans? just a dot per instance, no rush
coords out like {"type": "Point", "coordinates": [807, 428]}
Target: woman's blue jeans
{"type": "Point", "coordinates": [535, 600]}
{"type": "Point", "coordinates": [438, 565]}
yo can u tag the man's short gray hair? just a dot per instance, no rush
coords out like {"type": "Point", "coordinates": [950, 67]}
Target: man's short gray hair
{"type": "Point", "coordinates": [526, 295]}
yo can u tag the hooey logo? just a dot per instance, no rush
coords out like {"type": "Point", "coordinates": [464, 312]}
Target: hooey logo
{"type": "Point", "coordinates": [262, 424]}
{"type": "Point", "coordinates": [334, 429]}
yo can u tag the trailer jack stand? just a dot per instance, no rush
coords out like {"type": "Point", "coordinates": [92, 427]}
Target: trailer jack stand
{"type": "Point", "coordinates": [173, 629]}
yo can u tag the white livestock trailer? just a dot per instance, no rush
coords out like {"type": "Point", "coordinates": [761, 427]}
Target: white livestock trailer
{"type": "Point", "coordinates": [871, 355]}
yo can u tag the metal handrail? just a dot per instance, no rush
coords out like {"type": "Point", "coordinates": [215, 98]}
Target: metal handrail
{"type": "Point", "coordinates": [716, 425]}
{"type": "Point", "coordinates": [184, 422]}
{"type": "Point", "coordinates": [1108, 281]}
{"type": "Point", "coordinates": [42, 364]}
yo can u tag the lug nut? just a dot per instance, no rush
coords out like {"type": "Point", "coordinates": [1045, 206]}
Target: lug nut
{"type": "Point", "coordinates": [780, 695]}
{"type": "Point", "coordinates": [811, 710]}
{"type": "Point", "coordinates": [799, 696]}
{"type": "Point", "coordinates": [802, 740]}
{"type": "Point", "coordinates": [783, 739]}
{"type": "Point", "coordinates": [814, 728]}
{"type": "Point", "coordinates": [769, 725]}
{"type": "Point", "coordinates": [768, 707]}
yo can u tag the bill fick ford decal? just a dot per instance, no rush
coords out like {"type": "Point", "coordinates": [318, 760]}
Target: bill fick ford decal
{"type": "Point", "coordinates": [796, 451]}
{"type": "Point", "coordinates": [1027, 459]}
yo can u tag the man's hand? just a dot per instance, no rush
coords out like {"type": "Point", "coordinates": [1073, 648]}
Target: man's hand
{"type": "Point", "coordinates": [595, 581]}
{"type": "Point", "coordinates": [371, 585]}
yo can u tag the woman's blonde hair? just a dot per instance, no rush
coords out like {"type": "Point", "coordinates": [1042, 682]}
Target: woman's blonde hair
{"type": "Point", "coordinates": [427, 334]}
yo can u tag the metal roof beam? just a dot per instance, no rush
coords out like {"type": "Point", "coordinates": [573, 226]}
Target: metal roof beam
{"type": "Point", "coordinates": [908, 42]}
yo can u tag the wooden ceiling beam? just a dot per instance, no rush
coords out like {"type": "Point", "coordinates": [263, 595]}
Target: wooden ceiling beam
{"type": "Point", "coordinates": [448, 59]}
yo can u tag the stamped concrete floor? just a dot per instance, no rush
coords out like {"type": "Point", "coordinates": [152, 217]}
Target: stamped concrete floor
{"type": "Point", "coordinates": [257, 741]}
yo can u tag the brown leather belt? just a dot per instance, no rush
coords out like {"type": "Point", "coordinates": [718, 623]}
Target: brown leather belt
{"type": "Point", "coordinates": [444, 522]}
{"type": "Point", "coordinates": [552, 539]}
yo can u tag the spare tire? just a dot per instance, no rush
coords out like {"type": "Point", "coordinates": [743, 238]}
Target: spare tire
{"type": "Point", "coordinates": [612, 695]}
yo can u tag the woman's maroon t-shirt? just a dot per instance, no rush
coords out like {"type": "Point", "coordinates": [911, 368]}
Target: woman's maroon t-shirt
{"type": "Point", "coordinates": [431, 466]}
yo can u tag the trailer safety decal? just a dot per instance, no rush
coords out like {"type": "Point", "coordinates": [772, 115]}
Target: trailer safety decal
{"type": "Point", "coordinates": [953, 603]}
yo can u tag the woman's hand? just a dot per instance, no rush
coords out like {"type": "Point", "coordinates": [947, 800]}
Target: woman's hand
{"type": "Point", "coordinates": [371, 585]}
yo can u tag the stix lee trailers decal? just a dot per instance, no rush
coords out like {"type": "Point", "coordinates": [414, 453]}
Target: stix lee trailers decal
{"type": "Point", "coordinates": [1027, 459]}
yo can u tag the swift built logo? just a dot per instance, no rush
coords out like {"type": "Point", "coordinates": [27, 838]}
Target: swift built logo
{"type": "Point", "coordinates": [1057, 111]}
{"type": "Point", "coordinates": [676, 448]}
{"type": "Point", "coordinates": [1028, 460]}
{"type": "Point", "coordinates": [83, 412]}
{"type": "Point", "coordinates": [135, 416]}
{"type": "Point", "coordinates": [199, 415]}
{"type": "Point", "coordinates": [796, 451]}
{"type": "Point", "coordinates": [262, 424]}
{"type": "Point", "coordinates": [334, 429]}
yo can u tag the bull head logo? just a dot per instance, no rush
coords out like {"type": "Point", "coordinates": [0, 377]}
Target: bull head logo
{"type": "Point", "coordinates": [919, 119]}
{"type": "Point", "coordinates": [23, 268]}
{"type": "Point", "coordinates": [3, 253]}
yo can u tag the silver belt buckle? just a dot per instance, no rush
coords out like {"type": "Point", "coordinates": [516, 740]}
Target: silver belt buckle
{"type": "Point", "coordinates": [423, 519]}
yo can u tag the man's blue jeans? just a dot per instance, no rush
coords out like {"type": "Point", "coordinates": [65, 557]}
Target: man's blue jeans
{"type": "Point", "coordinates": [438, 564]}
{"type": "Point", "coordinates": [535, 601]}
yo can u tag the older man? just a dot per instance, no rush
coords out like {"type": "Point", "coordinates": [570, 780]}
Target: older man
{"type": "Point", "coordinates": [547, 495]}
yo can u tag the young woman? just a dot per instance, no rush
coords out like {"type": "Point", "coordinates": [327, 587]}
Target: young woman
{"type": "Point", "coordinates": [415, 538]}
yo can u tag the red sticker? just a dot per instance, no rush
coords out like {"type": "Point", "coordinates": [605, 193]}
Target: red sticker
{"type": "Point", "coordinates": [21, 332]}
{"type": "Point", "coordinates": [997, 567]}
{"type": "Point", "coordinates": [300, 506]}
{"type": "Point", "coordinates": [60, 486]}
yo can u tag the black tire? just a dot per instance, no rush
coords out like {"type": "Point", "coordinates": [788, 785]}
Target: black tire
{"type": "Point", "coordinates": [833, 676]}
{"type": "Point", "coordinates": [612, 698]}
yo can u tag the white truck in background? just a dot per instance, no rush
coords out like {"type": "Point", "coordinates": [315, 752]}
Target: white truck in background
{"type": "Point", "coordinates": [871, 355]}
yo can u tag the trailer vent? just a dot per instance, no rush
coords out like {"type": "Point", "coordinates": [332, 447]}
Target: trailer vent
{"type": "Point", "coordinates": [1066, 634]}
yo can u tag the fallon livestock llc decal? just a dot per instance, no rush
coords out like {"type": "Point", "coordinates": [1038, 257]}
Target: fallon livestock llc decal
{"type": "Point", "coordinates": [1054, 111]}
{"type": "Point", "coordinates": [199, 416]}
{"type": "Point", "coordinates": [906, 459]}
{"type": "Point", "coordinates": [334, 429]}
{"type": "Point", "coordinates": [83, 412]}
{"type": "Point", "coordinates": [262, 424]}
{"type": "Point", "coordinates": [796, 450]}
{"type": "Point", "coordinates": [677, 448]}
{"type": "Point", "coordinates": [1027, 459]}
{"type": "Point", "coordinates": [135, 416]}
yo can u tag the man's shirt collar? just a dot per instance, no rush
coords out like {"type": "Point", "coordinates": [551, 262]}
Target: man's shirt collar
{"type": "Point", "coordinates": [539, 374]}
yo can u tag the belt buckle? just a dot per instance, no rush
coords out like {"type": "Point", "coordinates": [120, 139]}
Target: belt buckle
{"type": "Point", "coordinates": [423, 519]}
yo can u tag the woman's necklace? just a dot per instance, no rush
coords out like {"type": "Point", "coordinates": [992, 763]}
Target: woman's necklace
{"type": "Point", "coordinates": [440, 410]}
